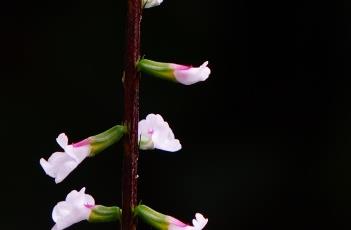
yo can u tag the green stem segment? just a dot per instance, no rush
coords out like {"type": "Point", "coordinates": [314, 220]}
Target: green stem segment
{"type": "Point", "coordinates": [131, 114]}
{"type": "Point", "coordinates": [103, 140]}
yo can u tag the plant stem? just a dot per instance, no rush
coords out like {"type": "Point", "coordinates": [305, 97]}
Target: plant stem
{"type": "Point", "coordinates": [131, 114]}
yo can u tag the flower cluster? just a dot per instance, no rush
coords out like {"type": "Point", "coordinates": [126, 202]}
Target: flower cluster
{"type": "Point", "coordinates": [153, 133]}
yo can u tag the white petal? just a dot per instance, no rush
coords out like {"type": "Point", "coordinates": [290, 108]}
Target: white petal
{"type": "Point", "coordinates": [192, 75]}
{"type": "Point", "coordinates": [74, 197]}
{"type": "Point", "coordinates": [60, 210]}
{"type": "Point", "coordinates": [69, 220]}
{"type": "Point", "coordinates": [200, 222]}
{"type": "Point", "coordinates": [64, 215]}
{"type": "Point", "coordinates": [58, 166]}
{"type": "Point", "coordinates": [142, 127]}
{"type": "Point", "coordinates": [46, 166]}
{"type": "Point", "coordinates": [49, 166]}
{"type": "Point", "coordinates": [154, 118]}
{"type": "Point", "coordinates": [72, 210]}
{"type": "Point", "coordinates": [62, 140]}
{"type": "Point", "coordinates": [58, 158]}
{"type": "Point", "coordinates": [66, 168]}
{"type": "Point", "coordinates": [162, 136]}
{"type": "Point", "coordinates": [78, 153]}
{"type": "Point", "coordinates": [79, 198]}
{"type": "Point", "coordinates": [151, 3]}
{"type": "Point", "coordinates": [169, 145]}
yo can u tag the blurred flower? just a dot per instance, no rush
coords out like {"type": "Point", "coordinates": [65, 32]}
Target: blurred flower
{"type": "Point", "coordinates": [151, 3]}
{"type": "Point", "coordinates": [154, 132]}
{"type": "Point", "coordinates": [186, 75]}
{"type": "Point", "coordinates": [164, 222]}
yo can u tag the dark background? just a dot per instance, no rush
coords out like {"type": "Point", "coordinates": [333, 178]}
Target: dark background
{"type": "Point", "coordinates": [266, 139]}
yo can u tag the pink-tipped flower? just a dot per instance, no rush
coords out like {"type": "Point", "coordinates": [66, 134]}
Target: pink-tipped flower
{"type": "Point", "coordinates": [154, 132]}
{"type": "Point", "coordinates": [186, 75]}
{"type": "Point", "coordinates": [61, 164]}
{"type": "Point", "coordinates": [151, 3]}
{"type": "Point", "coordinates": [79, 206]}
{"type": "Point", "coordinates": [164, 222]}
{"type": "Point", "coordinates": [198, 223]}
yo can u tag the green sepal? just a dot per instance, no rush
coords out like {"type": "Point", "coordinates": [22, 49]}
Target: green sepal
{"type": "Point", "coordinates": [158, 69]}
{"type": "Point", "coordinates": [105, 214]}
{"type": "Point", "coordinates": [103, 140]}
{"type": "Point", "coordinates": [151, 217]}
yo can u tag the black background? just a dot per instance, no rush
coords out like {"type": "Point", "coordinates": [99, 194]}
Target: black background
{"type": "Point", "coordinates": [266, 139]}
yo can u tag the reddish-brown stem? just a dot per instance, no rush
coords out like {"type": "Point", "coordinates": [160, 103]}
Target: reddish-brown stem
{"type": "Point", "coordinates": [131, 114]}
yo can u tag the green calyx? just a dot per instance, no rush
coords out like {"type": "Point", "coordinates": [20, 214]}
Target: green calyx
{"type": "Point", "coordinates": [158, 69]}
{"type": "Point", "coordinates": [151, 217]}
{"type": "Point", "coordinates": [105, 139]}
{"type": "Point", "coordinates": [105, 214]}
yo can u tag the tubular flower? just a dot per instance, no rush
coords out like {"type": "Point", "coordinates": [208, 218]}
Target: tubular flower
{"type": "Point", "coordinates": [151, 3]}
{"type": "Point", "coordinates": [154, 132]}
{"type": "Point", "coordinates": [79, 206]}
{"type": "Point", "coordinates": [185, 75]}
{"type": "Point", "coordinates": [164, 222]}
{"type": "Point", "coordinates": [61, 164]}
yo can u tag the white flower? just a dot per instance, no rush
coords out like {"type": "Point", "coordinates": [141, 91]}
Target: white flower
{"type": "Point", "coordinates": [191, 75]}
{"type": "Point", "coordinates": [154, 132]}
{"type": "Point", "coordinates": [198, 223]}
{"type": "Point", "coordinates": [60, 164]}
{"type": "Point", "coordinates": [151, 3]}
{"type": "Point", "coordinates": [75, 208]}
